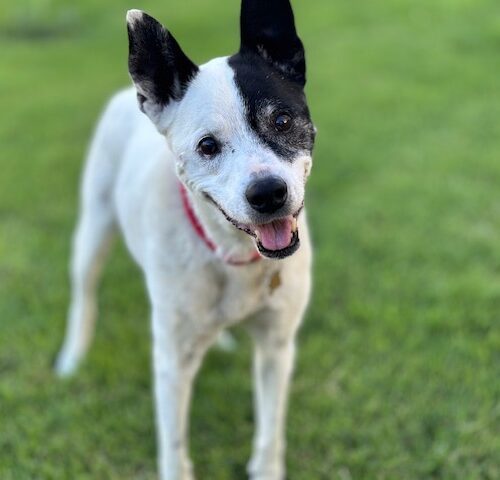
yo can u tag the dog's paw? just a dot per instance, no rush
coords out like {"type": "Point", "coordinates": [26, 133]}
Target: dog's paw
{"type": "Point", "coordinates": [270, 476]}
{"type": "Point", "coordinates": [269, 471]}
{"type": "Point", "coordinates": [65, 365]}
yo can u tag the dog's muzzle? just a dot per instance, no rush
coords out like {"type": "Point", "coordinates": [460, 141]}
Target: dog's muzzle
{"type": "Point", "coordinates": [278, 238]}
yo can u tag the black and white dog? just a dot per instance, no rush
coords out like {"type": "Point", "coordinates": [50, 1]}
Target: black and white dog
{"type": "Point", "coordinates": [208, 190]}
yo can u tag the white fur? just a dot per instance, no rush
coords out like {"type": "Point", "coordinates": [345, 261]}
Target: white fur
{"type": "Point", "coordinates": [131, 180]}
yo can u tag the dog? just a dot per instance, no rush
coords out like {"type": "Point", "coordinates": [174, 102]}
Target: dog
{"type": "Point", "coordinates": [203, 169]}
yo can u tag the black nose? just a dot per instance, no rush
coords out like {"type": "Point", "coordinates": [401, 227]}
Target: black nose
{"type": "Point", "coordinates": [267, 195]}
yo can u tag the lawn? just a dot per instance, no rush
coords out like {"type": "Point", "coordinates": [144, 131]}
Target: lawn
{"type": "Point", "coordinates": [398, 375]}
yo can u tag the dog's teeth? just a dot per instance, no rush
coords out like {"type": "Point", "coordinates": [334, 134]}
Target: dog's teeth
{"type": "Point", "coordinates": [294, 225]}
{"type": "Point", "coordinates": [257, 235]}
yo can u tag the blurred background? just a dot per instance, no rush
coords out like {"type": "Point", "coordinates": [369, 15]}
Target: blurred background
{"type": "Point", "coordinates": [398, 375]}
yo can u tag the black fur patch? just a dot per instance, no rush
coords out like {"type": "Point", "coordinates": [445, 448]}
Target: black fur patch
{"type": "Point", "coordinates": [156, 62]}
{"type": "Point", "coordinates": [267, 92]}
{"type": "Point", "coordinates": [270, 72]}
{"type": "Point", "coordinates": [268, 29]}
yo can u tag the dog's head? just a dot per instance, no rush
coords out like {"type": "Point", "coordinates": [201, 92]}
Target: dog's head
{"type": "Point", "coordinates": [239, 126]}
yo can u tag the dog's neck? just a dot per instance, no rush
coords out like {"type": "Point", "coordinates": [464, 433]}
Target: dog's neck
{"type": "Point", "coordinates": [231, 244]}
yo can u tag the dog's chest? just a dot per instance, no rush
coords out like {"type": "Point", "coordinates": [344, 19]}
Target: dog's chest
{"type": "Point", "coordinates": [243, 291]}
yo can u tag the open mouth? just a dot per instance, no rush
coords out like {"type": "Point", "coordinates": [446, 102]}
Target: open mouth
{"type": "Point", "coordinates": [276, 239]}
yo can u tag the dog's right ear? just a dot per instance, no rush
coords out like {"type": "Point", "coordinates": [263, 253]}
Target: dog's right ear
{"type": "Point", "coordinates": [159, 68]}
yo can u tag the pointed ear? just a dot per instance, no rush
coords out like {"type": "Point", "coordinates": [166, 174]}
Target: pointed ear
{"type": "Point", "coordinates": [159, 68]}
{"type": "Point", "coordinates": [268, 29]}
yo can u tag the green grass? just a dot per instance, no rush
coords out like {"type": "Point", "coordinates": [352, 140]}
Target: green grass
{"type": "Point", "coordinates": [398, 375]}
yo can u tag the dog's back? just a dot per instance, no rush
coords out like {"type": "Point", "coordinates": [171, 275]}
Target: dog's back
{"type": "Point", "coordinates": [114, 130]}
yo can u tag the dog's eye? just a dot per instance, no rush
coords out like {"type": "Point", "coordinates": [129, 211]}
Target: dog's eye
{"type": "Point", "coordinates": [282, 122]}
{"type": "Point", "coordinates": [208, 146]}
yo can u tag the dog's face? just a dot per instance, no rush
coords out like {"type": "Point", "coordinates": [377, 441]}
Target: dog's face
{"type": "Point", "coordinates": [239, 126]}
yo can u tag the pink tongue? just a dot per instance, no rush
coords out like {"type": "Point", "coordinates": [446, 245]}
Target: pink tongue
{"type": "Point", "coordinates": [275, 235]}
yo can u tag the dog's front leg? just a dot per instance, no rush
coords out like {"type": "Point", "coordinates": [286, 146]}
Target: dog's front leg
{"type": "Point", "coordinates": [175, 364]}
{"type": "Point", "coordinates": [274, 334]}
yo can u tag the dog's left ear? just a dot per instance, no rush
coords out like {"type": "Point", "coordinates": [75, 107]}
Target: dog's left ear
{"type": "Point", "coordinates": [268, 29]}
{"type": "Point", "coordinates": [159, 68]}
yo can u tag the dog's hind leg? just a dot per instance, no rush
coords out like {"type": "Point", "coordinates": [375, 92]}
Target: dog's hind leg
{"type": "Point", "coordinates": [90, 244]}
{"type": "Point", "coordinates": [95, 226]}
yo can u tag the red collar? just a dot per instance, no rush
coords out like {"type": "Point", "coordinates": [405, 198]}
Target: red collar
{"type": "Point", "coordinates": [198, 228]}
